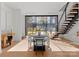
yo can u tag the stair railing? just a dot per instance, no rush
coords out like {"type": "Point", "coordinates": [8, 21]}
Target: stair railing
{"type": "Point", "coordinates": [64, 8]}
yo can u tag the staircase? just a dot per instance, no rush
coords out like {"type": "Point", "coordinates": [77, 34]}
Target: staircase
{"type": "Point", "coordinates": [71, 19]}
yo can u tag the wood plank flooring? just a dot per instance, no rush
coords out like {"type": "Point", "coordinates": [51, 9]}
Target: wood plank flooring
{"type": "Point", "coordinates": [58, 48]}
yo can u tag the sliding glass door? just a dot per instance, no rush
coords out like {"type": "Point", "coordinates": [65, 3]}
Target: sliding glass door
{"type": "Point", "coordinates": [45, 24]}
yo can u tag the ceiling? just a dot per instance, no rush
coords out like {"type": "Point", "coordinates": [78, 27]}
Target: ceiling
{"type": "Point", "coordinates": [37, 8]}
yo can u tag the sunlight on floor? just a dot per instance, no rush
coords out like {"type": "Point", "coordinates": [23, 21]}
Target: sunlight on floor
{"type": "Point", "coordinates": [54, 45]}
{"type": "Point", "coordinates": [62, 46]}
{"type": "Point", "coordinates": [21, 46]}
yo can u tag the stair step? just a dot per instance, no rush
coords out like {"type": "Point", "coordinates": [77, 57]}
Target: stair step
{"type": "Point", "coordinates": [76, 5]}
{"type": "Point", "coordinates": [64, 24]}
{"type": "Point", "coordinates": [62, 30]}
{"type": "Point", "coordinates": [73, 23]}
{"type": "Point", "coordinates": [70, 16]}
{"type": "Point", "coordinates": [73, 12]}
{"type": "Point", "coordinates": [68, 19]}
{"type": "Point", "coordinates": [67, 22]}
{"type": "Point", "coordinates": [63, 27]}
{"type": "Point", "coordinates": [77, 8]}
{"type": "Point", "coordinates": [71, 20]}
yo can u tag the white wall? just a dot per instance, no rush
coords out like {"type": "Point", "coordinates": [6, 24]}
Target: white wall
{"type": "Point", "coordinates": [0, 27]}
{"type": "Point", "coordinates": [37, 8]}
{"type": "Point", "coordinates": [18, 24]}
{"type": "Point", "coordinates": [12, 19]}
{"type": "Point", "coordinates": [3, 18]}
{"type": "Point", "coordinates": [72, 34]}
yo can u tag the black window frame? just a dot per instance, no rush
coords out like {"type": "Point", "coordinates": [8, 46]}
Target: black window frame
{"type": "Point", "coordinates": [41, 16]}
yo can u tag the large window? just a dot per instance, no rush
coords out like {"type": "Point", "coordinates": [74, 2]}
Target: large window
{"type": "Point", "coordinates": [34, 24]}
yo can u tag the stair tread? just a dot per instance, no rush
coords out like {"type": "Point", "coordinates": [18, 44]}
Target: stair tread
{"type": "Point", "coordinates": [71, 20]}
{"type": "Point", "coordinates": [76, 5]}
{"type": "Point", "coordinates": [70, 16]}
{"type": "Point", "coordinates": [68, 19]}
{"type": "Point", "coordinates": [72, 12]}
{"type": "Point", "coordinates": [66, 22]}
{"type": "Point", "coordinates": [65, 25]}
{"type": "Point", "coordinates": [75, 8]}
{"type": "Point", "coordinates": [62, 28]}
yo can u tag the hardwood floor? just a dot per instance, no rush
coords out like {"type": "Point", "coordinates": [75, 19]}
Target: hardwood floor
{"type": "Point", "coordinates": [41, 54]}
{"type": "Point", "coordinates": [58, 48]}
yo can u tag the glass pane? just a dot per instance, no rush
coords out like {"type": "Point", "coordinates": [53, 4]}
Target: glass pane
{"type": "Point", "coordinates": [41, 24]}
